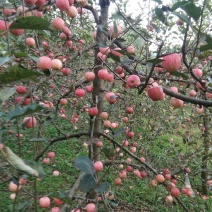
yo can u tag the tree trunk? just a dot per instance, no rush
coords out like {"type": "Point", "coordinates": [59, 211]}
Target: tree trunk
{"type": "Point", "coordinates": [204, 173]}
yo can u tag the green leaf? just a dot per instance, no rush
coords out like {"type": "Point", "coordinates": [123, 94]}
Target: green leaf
{"type": "Point", "coordinates": [19, 111]}
{"type": "Point", "coordinates": [6, 93]}
{"type": "Point", "coordinates": [36, 59]}
{"type": "Point", "coordinates": [103, 187]}
{"type": "Point", "coordinates": [115, 29]}
{"type": "Point", "coordinates": [119, 132]}
{"type": "Point", "coordinates": [103, 29]}
{"type": "Point", "coordinates": [155, 61]}
{"type": "Point", "coordinates": [84, 164]}
{"type": "Point", "coordinates": [30, 22]}
{"type": "Point", "coordinates": [127, 62]}
{"type": "Point", "coordinates": [178, 74]}
{"type": "Point", "coordinates": [22, 205]}
{"type": "Point", "coordinates": [160, 15]}
{"type": "Point", "coordinates": [178, 5]}
{"type": "Point", "coordinates": [109, 152]}
{"type": "Point", "coordinates": [206, 47]}
{"type": "Point", "coordinates": [37, 167]}
{"type": "Point", "coordinates": [183, 17]}
{"type": "Point", "coordinates": [102, 45]}
{"type": "Point", "coordinates": [192, 10]}
{"type": "Point", "coordinates": [4, 60]}
{"type": "Point", "coordinates": [158, 1]}
{"type": "Point", "coordinates": [116, 16]}
{"type": "Point", "coordinates": [114, 57]}
{"type": "Point", "coordinates": [87, 183]}
{"type": "Point", "coordinates": [16, 73]}
{"type": "Point", "coordinates": [20, 54]}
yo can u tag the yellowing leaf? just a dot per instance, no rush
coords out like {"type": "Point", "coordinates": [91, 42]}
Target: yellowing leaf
{"type": "Point", "coordinates": [17, 162]}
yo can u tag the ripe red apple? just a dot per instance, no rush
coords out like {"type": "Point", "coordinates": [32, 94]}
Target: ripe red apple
{"type": "Point", "coordinates": [192, 93]}
{"type": "Point", "coordinates": [129, 168]}
{"type": "Point", "coordinates": [111, 97]}
{"type": "Point", "coordinates": [101, 56]}
{"type": "Point", "coordinates": [125, 119]}
{"type": "Point", "coordinates": [175, 192]}
{"type": "Point", "coordinates": [89, 89]}
{"type": "Point", "coordinates": [123, 174]}
{"type": "Point", "coordinates": [167, 176]}
{"type": "Point", "coordinates": [66, 71]}
{"type": "Point", "coordinates": [63, 101]}
{"type": "Point", "coordinates": [79, 92]}
{"type": "Point", "coordinates": [2, 27]}
{"type": "Point", "coordinates": [93, 111]}
{"type": "Point", "coordinates": [174, 89]}
{"type": "Point", "coordinates": [154, 183]}
{"type": "Point", "coordinates": [58, 23]}
{"type": "Point", "coordinates": [133, 81]}
{"type": "Point", "coordinates": [13, 187]}
{"type": "Point", "coordinates": [129, 110]}
{"type": "Point", "coordinates": [21, 89]}
{"type": "Point", "coordinates": [57, 64]}
{"type": "Point", "coordinates": [89, 76]}
{"type": "Point", "coordinates": [143, 174]}
{"type": "Point", "coordinates": [118, 181]}
{"type": "Point", "coordinates": [8, 11]}
{"type": "Point", "coordinates": [51, 155]}
{"type": "Point", "coordinates": [109, 77]}
{"type": "Point", "coordinates": [119, 70]}
{"type": "Point", "coordinates": [130, 134]}
{"type": "Point", "coordinates": [102, 74]}
{"type": "Point", "coordinates": [29, 122]}
{"type": "Point", "coordinates": [171, 62]}
{"type": "Point", "coordinates": [208, 95]}
{"type": "Point", "coordinates": [90, 207]}
{"type": "Point", "coordinates": [197, 72]}
{"type": "Point", "coordinates": [55, 209]}
{"type": "Point", "coordinates": [80, 10]}
{"type": "Point", "coordinates": [99, 144]}
{"type": "Point", "coordinates": [30, 41]}
{"type": "Point", "coordinates": [44, 63]}
{"type": "Point", "coordinates": [98, 166]}
{"type": "Point", "coordinates": [200, 110]}
{"type": "Point", "coordinates": [44, 202]}
{"type": "Point", "coordinates": [56, 173]}
{"type": "Point", "coordinates": [62, 4]}
{"type": "Point", "coordinates": [107, 123]}
{"type": "Point", "coordinates": [155, 93]}
{"type": "Point", "coordinates": [116, 52]}
{"type": "Point", "coordinates": [104, 50]}
{"type": "Point", "coordinates": [118, 31]}
{"type": "Point", "coordinates": [46, 160]}
{"type": "Point", "coordinates": [104, 115]}
{"type": "Point", "coordinates": [16, 32]}
{"type": "Point", "coordinates": [169, 199]}
{"type": "Point", "coordinates": [12, 196]}
{"type": "Point", "coordinates": [160, 178]}
{"type": "Point", "coordinates": [23, 180]}
{"type": "Point", "coordinates": [72, 11]}
{"type": "Point", "coordinates": [130, 49]}
{"type": "Point", "coordinates": [176, 103]}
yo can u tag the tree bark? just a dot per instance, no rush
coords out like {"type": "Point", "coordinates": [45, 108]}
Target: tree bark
{"type": "Point", "coordinates": [204, 172]}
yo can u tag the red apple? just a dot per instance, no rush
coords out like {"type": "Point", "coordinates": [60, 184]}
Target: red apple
{"type": "Point", "coordinates": [155, 93]}
{"type": "Point", "coordinates": [44, 202]}
{"type": "Point", "coordinates": [171, 62]}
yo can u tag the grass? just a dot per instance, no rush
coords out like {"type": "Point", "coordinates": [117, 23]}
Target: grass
{"type": "Point", "coordinates": [153, 137]}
